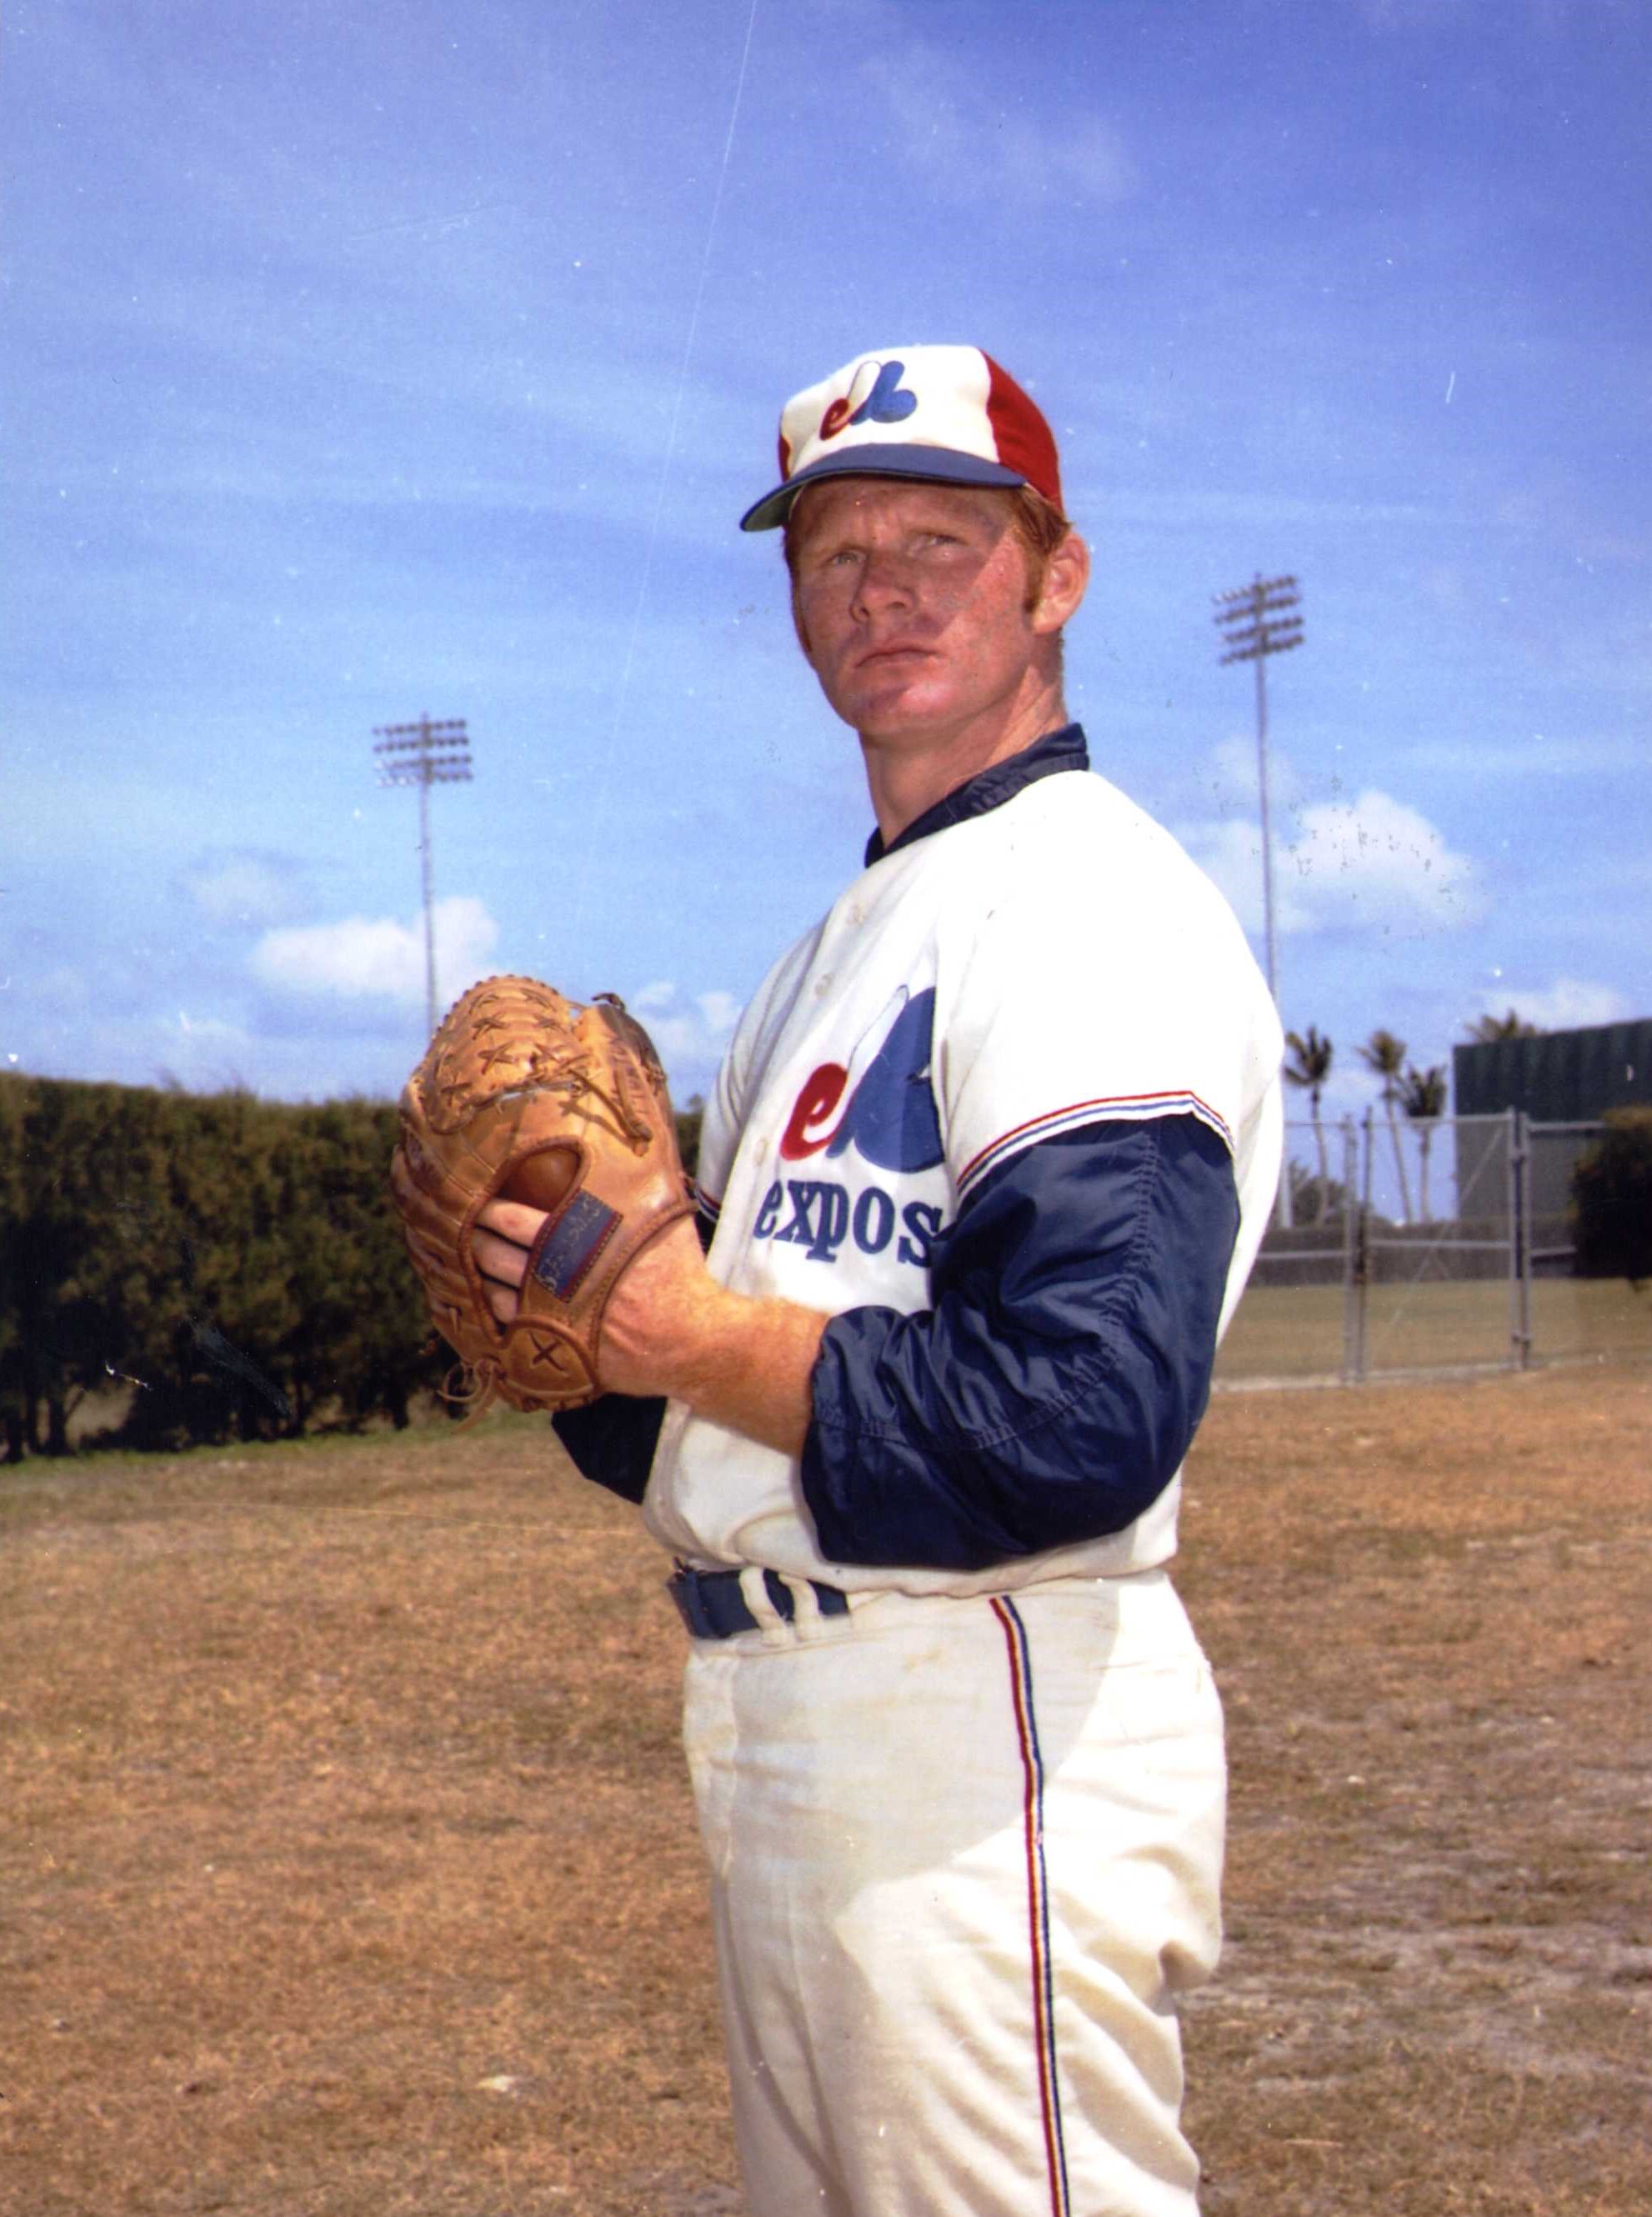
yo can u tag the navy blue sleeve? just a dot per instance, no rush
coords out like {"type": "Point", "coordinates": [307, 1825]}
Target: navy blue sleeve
{"type": "Point", "coordinates": [1049, 1393]}
{"type": "Point", "coordinates": [612, 1441]}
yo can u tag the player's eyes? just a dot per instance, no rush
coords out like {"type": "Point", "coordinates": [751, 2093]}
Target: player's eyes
{"type": "Point", "coordinates": [846, 559]}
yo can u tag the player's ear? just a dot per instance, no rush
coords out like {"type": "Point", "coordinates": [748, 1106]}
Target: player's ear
{"type": "Point", "coordinates": [1066, 573]}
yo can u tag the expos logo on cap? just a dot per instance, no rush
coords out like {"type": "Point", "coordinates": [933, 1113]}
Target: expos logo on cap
{"type": "Point", "coordinates": [949, 415]}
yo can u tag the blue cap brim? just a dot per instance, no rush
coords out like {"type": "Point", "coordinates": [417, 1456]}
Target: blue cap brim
{"type": "Point", "coordinates": [927, 465]}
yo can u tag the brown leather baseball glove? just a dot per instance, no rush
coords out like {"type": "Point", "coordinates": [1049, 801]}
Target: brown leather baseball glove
{"type": "Point", "coordinates": [524, 1096]}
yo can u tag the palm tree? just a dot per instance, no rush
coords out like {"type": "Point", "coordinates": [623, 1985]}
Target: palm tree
{"type": "Point", "coordinates": [1309, 1067]}
{"type": "Point", "coordinates": [1484, 1029]}
{"type": "Point", "coordinates": [1423, 1099]}
{"type": "Point", "coordinates": [1384, 1056]}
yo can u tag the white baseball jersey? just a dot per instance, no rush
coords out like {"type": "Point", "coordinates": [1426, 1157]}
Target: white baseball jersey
{"type": "Point", "coordinates": [1053, 963]}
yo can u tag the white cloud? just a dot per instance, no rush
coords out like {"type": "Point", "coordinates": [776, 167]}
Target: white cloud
{"type": "Point", "coordinates": [1568, 1004]}
{"type": "Point", "coordinates": [377, 958]}
{"type": "Point", "coordinates": [244, 885]}
{"type": "Point", "coordinates": [1371, 863]}
{"type": "Point", "coordinates": [689, 1034]}
{"type": "Point", "coordinates": [1386, 857]}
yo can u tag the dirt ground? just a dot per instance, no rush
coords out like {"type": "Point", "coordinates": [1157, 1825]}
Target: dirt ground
{"type": "Point", "coordinates": [1430, 1610]}
{"type": "Point", "coordinates": [346, 1865]}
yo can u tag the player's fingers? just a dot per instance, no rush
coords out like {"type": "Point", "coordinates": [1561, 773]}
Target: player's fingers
{"type": "Point", "coordinates": [501, 1260]}
{"type": "Point", "coordinates": [513, 1220]}
{"type": "Point", "coordinates": [504, 1301]}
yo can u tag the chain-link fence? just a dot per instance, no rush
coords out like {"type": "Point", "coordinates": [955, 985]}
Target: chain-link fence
{"type": "Point", "coordinates": [1427, 1244]}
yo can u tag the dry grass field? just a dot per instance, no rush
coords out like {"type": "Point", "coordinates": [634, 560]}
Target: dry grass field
{"type": "Point", "coordinates": [347, 1866]}
{"type": "Point", "coordinates": [1296, 1331]}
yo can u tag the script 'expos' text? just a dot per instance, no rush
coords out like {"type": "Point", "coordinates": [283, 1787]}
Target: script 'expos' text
{"type": "Point", "coordinates": [882, 1105]}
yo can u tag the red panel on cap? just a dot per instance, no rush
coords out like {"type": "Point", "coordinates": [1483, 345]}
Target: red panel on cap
{"type": "Point", "coordinates": [1025, 441]}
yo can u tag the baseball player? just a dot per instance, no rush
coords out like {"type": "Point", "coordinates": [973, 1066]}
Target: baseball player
{"type": "Point", "coordinates": [988, 1164]}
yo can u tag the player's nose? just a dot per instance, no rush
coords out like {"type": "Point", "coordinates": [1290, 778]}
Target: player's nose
{"type": "Point", "coordinates": [883, 582]}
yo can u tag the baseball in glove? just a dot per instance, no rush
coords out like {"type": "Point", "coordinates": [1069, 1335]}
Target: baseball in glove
{"type": "Point", "coordinates": [524, 1096]}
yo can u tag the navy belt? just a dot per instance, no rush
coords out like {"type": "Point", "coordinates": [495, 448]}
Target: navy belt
{"type": "Point", "coordinates": [714, 1608]}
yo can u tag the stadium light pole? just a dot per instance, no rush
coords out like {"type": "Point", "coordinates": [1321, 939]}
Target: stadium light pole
{"type": "Point", "coordinates": [1256, 620]}
{"type": "Point", "coordinates": [424, 754]}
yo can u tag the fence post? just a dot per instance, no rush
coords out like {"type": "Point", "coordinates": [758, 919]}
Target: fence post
{"type": "Point", "coordinates": [1349, 1351]}
{"type": "Point", "coordinates": [1520, 1242]}
{"type": "Point", "coordinates": [1356, 1251]}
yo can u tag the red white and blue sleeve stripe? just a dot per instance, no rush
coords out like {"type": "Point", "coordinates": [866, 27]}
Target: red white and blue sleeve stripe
{"type": "Point", "coordinates": [1057, 1122]}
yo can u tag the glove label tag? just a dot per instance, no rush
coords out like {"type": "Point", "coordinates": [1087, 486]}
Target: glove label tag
{"type": "Point", "coordinates": [571, 1244]}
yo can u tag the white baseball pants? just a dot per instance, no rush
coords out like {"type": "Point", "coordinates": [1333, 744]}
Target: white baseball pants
{"type": "Point", "coordinates": [964, 1855]}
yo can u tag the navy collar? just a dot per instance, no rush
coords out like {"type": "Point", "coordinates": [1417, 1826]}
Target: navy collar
{"type": "Point", "coordinates": [990, 789]}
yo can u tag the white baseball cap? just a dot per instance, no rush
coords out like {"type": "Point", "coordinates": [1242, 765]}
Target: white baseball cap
{"type": "Point", "coordinates": [948, 415]}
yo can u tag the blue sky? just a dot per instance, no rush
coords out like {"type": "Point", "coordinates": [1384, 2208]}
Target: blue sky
{"type": "Point", "coordinates": [358, 362]}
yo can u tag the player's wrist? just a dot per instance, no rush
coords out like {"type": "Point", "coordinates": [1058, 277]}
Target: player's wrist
{"type": "Point", "coordinates": [710, 1345]}
{"type": "Point", "coordinates": [747, 1364]}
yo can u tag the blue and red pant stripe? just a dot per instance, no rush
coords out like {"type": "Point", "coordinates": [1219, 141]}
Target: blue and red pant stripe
{"type": "Point", "coordinates": [1043, 1988]}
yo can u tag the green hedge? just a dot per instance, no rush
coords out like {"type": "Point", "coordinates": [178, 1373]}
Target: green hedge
{"type": "Point", "coordinates": [233, 1265]}
{"type": "Point", "coordinates": [1611, 1199]}
{"type": "Point", "coordinates": [235, 1261]}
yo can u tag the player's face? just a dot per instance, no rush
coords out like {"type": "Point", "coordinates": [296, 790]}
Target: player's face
{"type": "Point", "coordinates": [911, 604]}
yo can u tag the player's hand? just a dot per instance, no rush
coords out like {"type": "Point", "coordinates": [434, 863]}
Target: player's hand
{"type": "Point", "coordinates": [670, 1328]}
{"type": "Point", "coordinates": [501, 1251]}
{"type": "Point", "coordinates": [663, 1309]}
{"type": "Point", "coordinates": [659, 1309]}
